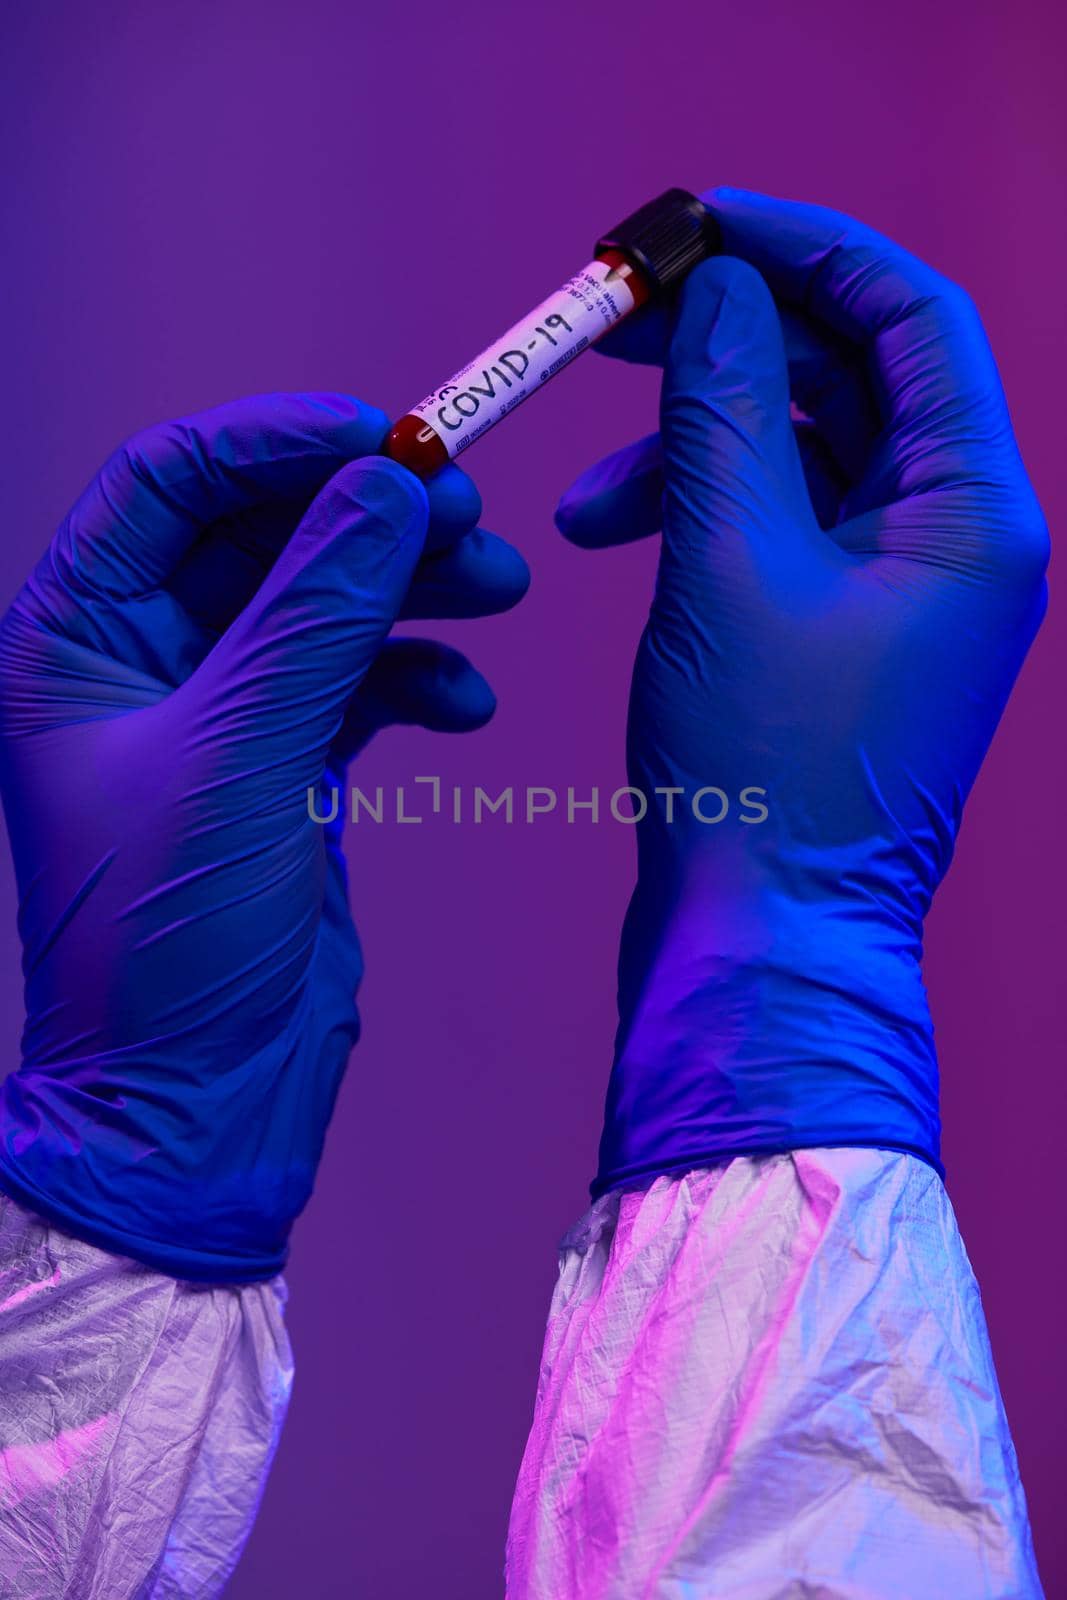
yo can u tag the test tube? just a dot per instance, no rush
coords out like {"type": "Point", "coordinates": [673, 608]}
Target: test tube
{"type": "Point", "coordinates": [643, 258]}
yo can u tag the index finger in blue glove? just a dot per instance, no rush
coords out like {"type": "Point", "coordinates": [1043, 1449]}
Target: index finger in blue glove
{"type": "Point", "coordinates": [935, 377]}
{"type": "Point", "coordinates": [270, 697]}
{"type": "Point", "coordinates": [180, 527]}
{"type": "Point", "coordinates": [826, 376]}
{"type": "Point", "coordinates": [222, 569]}
{"type": "Point", "coordinates": [619, 498]}
{"type": "Point", "coordinates": [477, 575]}
{"type": "Point", "coordinates": [166, 486]}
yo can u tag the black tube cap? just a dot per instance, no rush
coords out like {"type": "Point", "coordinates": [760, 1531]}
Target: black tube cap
{"type": "Point", "coordinates": [666, 238]}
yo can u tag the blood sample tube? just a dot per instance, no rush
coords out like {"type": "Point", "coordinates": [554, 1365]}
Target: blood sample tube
{"type": "Point", "coordinates": [643, 258]}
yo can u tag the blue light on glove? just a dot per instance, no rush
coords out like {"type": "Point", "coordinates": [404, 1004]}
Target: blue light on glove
{"type": "Point", "coordinates": [177, 673]}
{"type": "Point", "coordinates": [840, 612]}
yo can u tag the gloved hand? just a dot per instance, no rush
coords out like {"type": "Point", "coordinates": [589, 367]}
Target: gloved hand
{"type": "Point", "coordinates": [840, 611]}
{"type": "Point", "coordinates": [179, 671]}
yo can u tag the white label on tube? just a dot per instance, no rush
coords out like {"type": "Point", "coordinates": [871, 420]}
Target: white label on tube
{"type": "Point", "coordinates": [521, 360]}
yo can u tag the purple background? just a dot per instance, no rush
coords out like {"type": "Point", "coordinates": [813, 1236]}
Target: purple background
{"type": "Point", "coordinates": [202, 201]}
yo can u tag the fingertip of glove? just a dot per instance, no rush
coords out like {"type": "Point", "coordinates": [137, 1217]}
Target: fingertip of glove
{"type": "Point", "coordinates": [727, 278]}
{"type": "Point", "coordinates": [455, 506]}
{"type": "Point", "coordinates": [570, 520]}
{"type": "Point", "coordinates": [579, 516]}
{"type": "Point", "coordinates": [516, 577]}
{"type": "Point", "coordinates": [616, 500]}
{"type": "Point", "coordinates": [725, 192]}
{"type": "Point", "coordinates": [446, 693]}
{"type": "Point", "coordinates": [478, 705]}
{"type": "Point", "coordinates": [727, 322]}
{"type": "Point", "coordinates": [342, 424]}
{"type": "Point", "coordinates": [385, 490]}
{"type": "Point", "coordinates": [345, 407]}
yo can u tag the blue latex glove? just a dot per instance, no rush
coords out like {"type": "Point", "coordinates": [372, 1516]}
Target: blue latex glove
{"type": "Point", "coordinates": [840, 611]}
{"type": "Point", "coordinates": [181, 667]}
